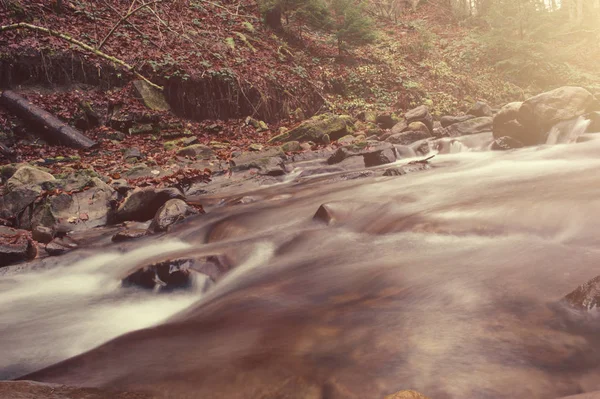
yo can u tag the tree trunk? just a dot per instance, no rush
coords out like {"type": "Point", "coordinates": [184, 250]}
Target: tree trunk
{"type": "Point", "coordinates": [51, 126]}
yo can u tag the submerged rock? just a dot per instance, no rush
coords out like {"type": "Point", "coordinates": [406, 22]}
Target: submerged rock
{"type": "Point", "coordinates": [506, 143]}
{"type": "Point", "coordinates": [167, 276]}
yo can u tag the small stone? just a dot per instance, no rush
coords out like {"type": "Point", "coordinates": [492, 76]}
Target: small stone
{"type": "Point", "coordinates": [196, 151]}
{"type": "Point", "coordinates": [129, 234]}
{"type": "Point", "coordinates": [255, 147]}
{"type": "Point", "coordinates": [132, 153]}
{"type": "Point", "coordinates": [58, 246]}
{"type": "Point", "coordinates": [42, 234]}
{"type": "Point", "coordinates": [292, 146]}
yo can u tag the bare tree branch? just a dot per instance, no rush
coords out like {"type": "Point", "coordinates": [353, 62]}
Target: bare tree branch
{"type": "Point", "coordinates": [124, 18]}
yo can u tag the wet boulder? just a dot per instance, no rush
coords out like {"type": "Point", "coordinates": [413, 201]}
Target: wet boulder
{"type": "Point", "coordinates": [594, 118]}
{"type": "Point", "coordinates": [380, 156]}
{"type": "Point", "coordinates": [451, 120]}
{"type": "Point", "coordinates": [471, 126]}
{"type": "Point", "coordinates": [143, 203]}
{"type": "Point", "coordinates": [420, 114]}
{"type": "Point", "coordinates": [505, 124]}
{"type": "Point", "coordinates": [337, 211]}
{"type": "Point", "coordinates": [480, 109]}
{"type": "Point", "coordinates": [42, 234]}
{"type": "Point", "coordinates": [60, 246]}
{"type": "Point", "coordinates": [586, 296]}
{"type": "Point", "coordinates": [173, 211]}
{"type": "Point", "coordinates": [407, 137]}
{"type": "Point", "coordinates": [373, 153]}
{"type": "Point", "coordinates": [15, 246]}
{"type": "Point", "coordinates": [320, 129]}
{"type": "Point", "coordinates": [28, 175]}
{"type": "Point", "coordinates": [539, 113]}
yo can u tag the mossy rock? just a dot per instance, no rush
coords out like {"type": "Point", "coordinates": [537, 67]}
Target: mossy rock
{"type": "Point", "coordinates": [320, 129]}
{"type": "Point", "coordinates": [291, 146]}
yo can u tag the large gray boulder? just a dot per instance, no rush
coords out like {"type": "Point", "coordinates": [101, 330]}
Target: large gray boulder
{"type": "Point", "coordinates": [320, 129]}
{"type": "Point", "coordinates": [28, 175]}
{"type": "Point", "coordinates": [80, 210]}
{"type": "Point", "coordinates": [539, 113]}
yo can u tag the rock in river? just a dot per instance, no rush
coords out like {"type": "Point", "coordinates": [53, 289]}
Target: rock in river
{"type": "Point", "coordinates": [173, 211]}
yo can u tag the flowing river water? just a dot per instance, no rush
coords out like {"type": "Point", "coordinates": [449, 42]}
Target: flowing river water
{"type": "Point", "coordinates": [446, 281]}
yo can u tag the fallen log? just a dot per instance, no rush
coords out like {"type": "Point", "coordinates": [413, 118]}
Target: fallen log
{"type": "Point", "coordinates": [53, 128]}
